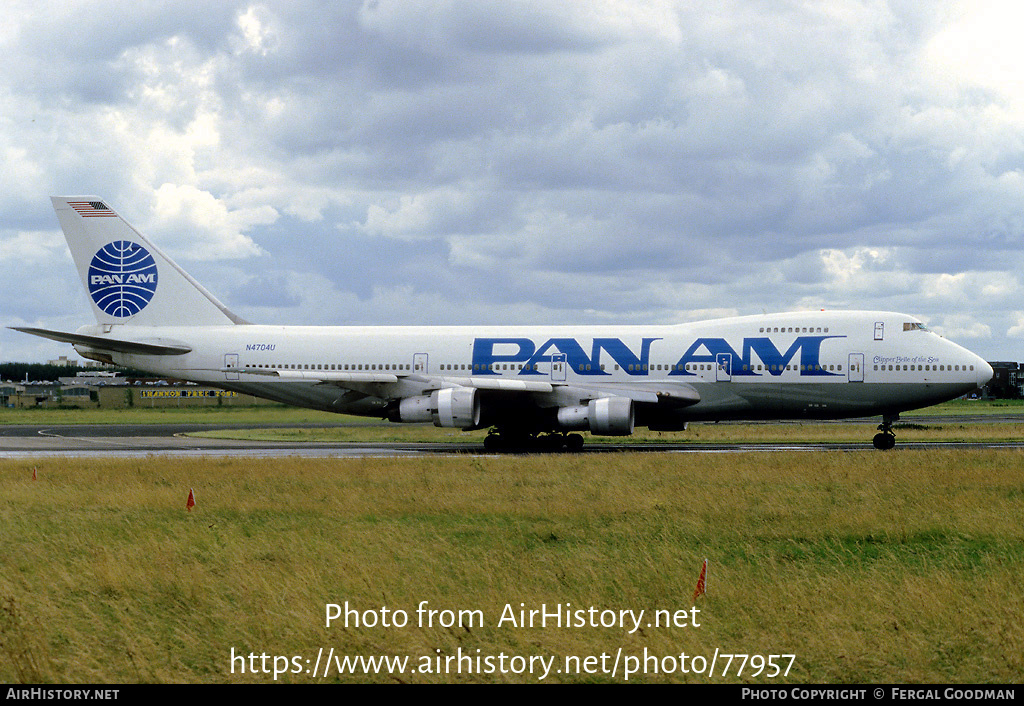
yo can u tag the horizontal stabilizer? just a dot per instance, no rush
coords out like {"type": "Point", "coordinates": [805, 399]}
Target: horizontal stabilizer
{"type": "Point", "coordinates": [155, 347]}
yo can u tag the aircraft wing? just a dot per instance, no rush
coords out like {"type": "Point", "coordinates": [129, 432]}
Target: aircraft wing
{"type": "Point", "coordinates": [679, 394]}
{"type": "Point", "coordinates": [398, 384]}
{"type": "Point", "coordinates": [426, 382]}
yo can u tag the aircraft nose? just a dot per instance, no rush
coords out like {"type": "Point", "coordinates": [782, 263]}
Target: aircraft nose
{"type": "Point", "coordinates": [984, 371]}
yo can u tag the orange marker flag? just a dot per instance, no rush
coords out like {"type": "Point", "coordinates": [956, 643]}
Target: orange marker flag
{"type": "Point", "coordinates": [34, 473]}
{"type": "Point", "coordinates": [702, 582]}
{"type": "Point", "coordinates": [191, 502]}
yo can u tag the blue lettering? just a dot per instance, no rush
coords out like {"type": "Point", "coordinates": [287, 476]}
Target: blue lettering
{"type": "Point", "coordinates": [574, 355]}
{"type": "Point", "coordinates": [707, 350]}
{"type": "Point", "coordinates": [484, 356]}
{"type": "Point", "coordinates": [488, 352]}
{"type": "Point", "coordinates": [714, 348]}
{"type": "Point", "coordinates": [622, 355]}
{"type": "Point", "coordinates": [776, 362]}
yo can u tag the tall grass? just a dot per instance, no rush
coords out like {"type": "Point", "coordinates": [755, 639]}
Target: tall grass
{"type": "Point", "coordinates": [897, 567]}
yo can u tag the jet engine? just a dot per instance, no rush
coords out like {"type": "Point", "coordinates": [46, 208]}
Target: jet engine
{"type": "Point", "coordinates": [451, 407]}
{"type": "Point", "coordinates": [607, 416]}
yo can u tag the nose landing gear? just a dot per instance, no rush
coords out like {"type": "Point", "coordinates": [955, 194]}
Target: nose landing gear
{"type": "Point", "coordinates": [886, 438]}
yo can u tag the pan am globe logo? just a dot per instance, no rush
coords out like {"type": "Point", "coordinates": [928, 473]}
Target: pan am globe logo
{"type": "Point", "coordinates": [122, 278]}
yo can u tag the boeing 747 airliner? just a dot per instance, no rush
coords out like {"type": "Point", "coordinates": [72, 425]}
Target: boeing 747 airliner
{"type": "Point", "coordinates": [526, 383]}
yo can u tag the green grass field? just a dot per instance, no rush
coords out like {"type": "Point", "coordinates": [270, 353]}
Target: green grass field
{"type": "Point", "coordinates": [900, 567]}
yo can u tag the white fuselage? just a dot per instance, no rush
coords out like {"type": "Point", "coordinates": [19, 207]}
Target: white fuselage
{"type": "Point", "coordinates": [794, 365]}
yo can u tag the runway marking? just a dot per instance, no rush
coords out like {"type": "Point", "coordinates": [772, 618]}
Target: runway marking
{"type": "Point", "coordinates": [101, 440]}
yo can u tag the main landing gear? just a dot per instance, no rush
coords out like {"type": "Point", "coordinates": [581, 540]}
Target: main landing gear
{"type": "Point", "coordinates": [498, 440]}
{"type": "Point", "coordinates": [886, 438]}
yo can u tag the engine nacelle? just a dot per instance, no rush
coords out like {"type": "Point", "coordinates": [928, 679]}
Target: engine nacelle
{"type": "Point", "coordinates": [607, 416]}
{"type": "Point", "coordinates": [457, 407]}
{"type": "Point", "coordinates": [415, 409]}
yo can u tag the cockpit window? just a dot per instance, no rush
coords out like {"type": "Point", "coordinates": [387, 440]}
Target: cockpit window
{"type": "Point", "coordinates": [914, 326]}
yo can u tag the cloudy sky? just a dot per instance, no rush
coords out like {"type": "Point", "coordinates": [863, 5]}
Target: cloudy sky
{"type": "Point", "coordinates": [526, 161]}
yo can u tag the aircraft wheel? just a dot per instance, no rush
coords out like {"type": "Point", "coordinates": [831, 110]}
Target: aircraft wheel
{"type": "Point", "coordinates": [884, 441]}
{"type": "Point", "coordinates": [550, 442]}
{"type": "Point", "coordinates": [574, 442]}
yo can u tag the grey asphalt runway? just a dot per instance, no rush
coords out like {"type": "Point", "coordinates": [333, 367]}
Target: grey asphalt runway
{"type": "Point", "coordinates": [30, 441]}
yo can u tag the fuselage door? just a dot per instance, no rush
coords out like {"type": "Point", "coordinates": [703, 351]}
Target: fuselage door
{"type": "Point", "coordinates": [231, 366]}
{"type": "Point", "coordinates": [558, 367]}
{"type": "Point", "coordinates": [879, 330]}
{"type": "Point", "coordinates": [724, 367]}
{"type": "Point", "coordinates": [419, 363]}
{"type": "Point", "coordinates": [855, 370]}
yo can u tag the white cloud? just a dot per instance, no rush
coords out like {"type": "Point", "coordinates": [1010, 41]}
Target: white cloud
{"type": "Point", "coordinates": [211, 230]}
{"type": "Point", "coordinates": [539, 160]}
{"type": "Point", "coordinates": [961, 326]}
{"type": "Point", "coordinates": [259, 31]}
{"type": "Point", "coordinates": [1017, 329]}
{"type": "Point", "coordinates": [32, 248]}
{"type": "Point", "coordinates": [424, 215]}
{"type": "Point", "coordinates": [851, 268]}
{"type": "Point", "coordinates": [980, 47]}
{"type": "Point", "coordinates": [528, 26]}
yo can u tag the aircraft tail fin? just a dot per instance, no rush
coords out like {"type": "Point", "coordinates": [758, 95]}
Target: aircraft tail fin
{"type": "Point", "coordinates": [129, 280]}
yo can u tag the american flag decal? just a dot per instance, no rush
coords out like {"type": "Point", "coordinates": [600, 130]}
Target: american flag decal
{"type": "Point", "coordinates": [92, 209]}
